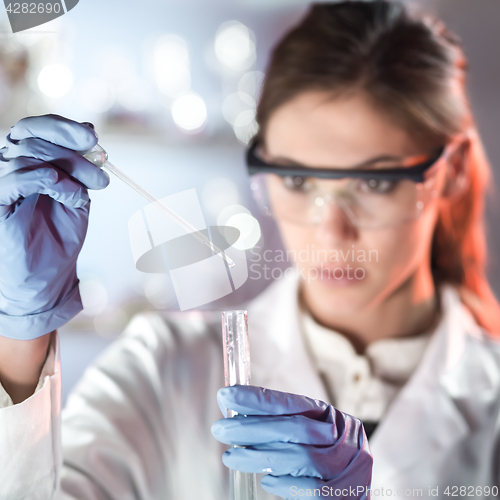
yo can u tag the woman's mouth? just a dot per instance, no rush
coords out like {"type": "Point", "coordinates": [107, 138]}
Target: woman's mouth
{"type": "Point", "coordinates": [340, 276]}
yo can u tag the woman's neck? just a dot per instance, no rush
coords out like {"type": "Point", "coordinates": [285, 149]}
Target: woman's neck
{"type": "Point", "coordinates": [411, 309]}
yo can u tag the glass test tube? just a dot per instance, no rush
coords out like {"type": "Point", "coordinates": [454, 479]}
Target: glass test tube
{"type": "Point", "coordinates": [237, 371]}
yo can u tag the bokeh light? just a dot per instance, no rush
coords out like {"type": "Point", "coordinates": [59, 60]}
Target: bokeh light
{"type": "Point", "coordinates": [236, 103]}
{"type": "Point", "coordinates": [235, 46]}
{"type": "Point", "coordinates": [249, 228]}
{"type": "Point", "coordinates": [55, 80]}
{"type": "Point", "coordinates": [227, 212]}
{"type": "Point", "coordinates": [189, 112]}
{"type": "Point", "coordinates": [251, 84]}
{"type": "Point", "coordinates": [245, 126]}
{"type": "Point", "coordinates": [171, 65]}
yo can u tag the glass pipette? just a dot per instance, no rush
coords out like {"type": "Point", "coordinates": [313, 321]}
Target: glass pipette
{"type": "Point", "coordinates": [98, 156]}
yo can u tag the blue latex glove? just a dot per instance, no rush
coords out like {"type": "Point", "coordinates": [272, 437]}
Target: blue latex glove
{"type": "Point", "coordinates": [303, 443]}
{"type": "Point", "coordinates": [44, 209]}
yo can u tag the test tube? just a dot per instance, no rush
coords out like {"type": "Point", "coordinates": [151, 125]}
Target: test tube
{"type": "Point", "coordinates": [237, 371]}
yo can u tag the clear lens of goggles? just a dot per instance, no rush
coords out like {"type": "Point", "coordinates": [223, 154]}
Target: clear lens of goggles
{"type": "Point", "coordinates": [366, 203]}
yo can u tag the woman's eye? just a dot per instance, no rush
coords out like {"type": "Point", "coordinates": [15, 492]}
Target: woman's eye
{"type": "Point", "coordinates": [296, 183]}
{"type": "Point", "coordinates": [377, 186]}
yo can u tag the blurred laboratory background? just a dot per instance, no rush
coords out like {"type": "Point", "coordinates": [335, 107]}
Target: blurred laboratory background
{"type": "Point", "coordinates": [171, 88]}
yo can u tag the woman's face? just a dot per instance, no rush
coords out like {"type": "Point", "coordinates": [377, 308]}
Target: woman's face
{"type": "Point", "coordinates": [361, 267]}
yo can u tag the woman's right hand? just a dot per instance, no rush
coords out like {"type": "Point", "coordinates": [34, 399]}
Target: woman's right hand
{"type": "Point", "coordinates": [44, 209]}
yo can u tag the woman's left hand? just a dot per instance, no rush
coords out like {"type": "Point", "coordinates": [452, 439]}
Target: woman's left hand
{"type": "Point", "coordinates": [303, 443]}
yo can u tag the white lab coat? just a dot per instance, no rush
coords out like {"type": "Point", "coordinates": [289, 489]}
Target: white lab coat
{"type": "Point", "coordinates": [138, 424]}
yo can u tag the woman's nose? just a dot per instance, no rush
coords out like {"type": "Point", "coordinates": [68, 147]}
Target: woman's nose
{"type": "Point", "coordinates": [335, 226]}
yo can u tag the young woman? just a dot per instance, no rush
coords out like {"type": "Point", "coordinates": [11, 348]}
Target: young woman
{"type": "Point", "coordinates": [368, 158]}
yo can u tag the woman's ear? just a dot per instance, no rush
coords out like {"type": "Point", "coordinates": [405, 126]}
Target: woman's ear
{"type": "Point", "coordinates": [457, 173]}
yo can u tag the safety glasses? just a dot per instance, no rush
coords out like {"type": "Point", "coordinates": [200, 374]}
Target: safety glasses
{"type": "Point", "coordinates": [371, 195]}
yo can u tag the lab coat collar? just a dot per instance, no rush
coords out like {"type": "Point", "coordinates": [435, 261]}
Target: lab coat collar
{"type": "Point", "coordinates": [278, 352]}
{"type": "Point", "coordinates": [425, 418]}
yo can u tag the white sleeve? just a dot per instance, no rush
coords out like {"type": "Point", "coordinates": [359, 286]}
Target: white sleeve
{"type": "Point", "coordinates": [48, 369]}
{"type": "Point", "coordinates": [30, 436]}
{"type": "Point", "coordinates": [136, 426]}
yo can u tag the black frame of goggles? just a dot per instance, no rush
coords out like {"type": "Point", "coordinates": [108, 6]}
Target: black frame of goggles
{"type": "Point", "coordinates": [415, 173]}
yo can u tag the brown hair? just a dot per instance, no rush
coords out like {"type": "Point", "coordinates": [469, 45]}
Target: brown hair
{"type": "Point", "coordinates": [413, 68]}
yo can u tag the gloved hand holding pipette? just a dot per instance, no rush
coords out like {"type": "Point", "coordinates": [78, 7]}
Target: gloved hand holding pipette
{"type": "Point", "coordinates": [304, 444]}
{"type": "Point", "coordinates": [44, 209]}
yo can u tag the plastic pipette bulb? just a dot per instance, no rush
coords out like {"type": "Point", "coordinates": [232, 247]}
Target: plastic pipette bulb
{"type": "Point", "coordinates": [98, 156]}
{"type": "Point", "coordinates": [237, 371]}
